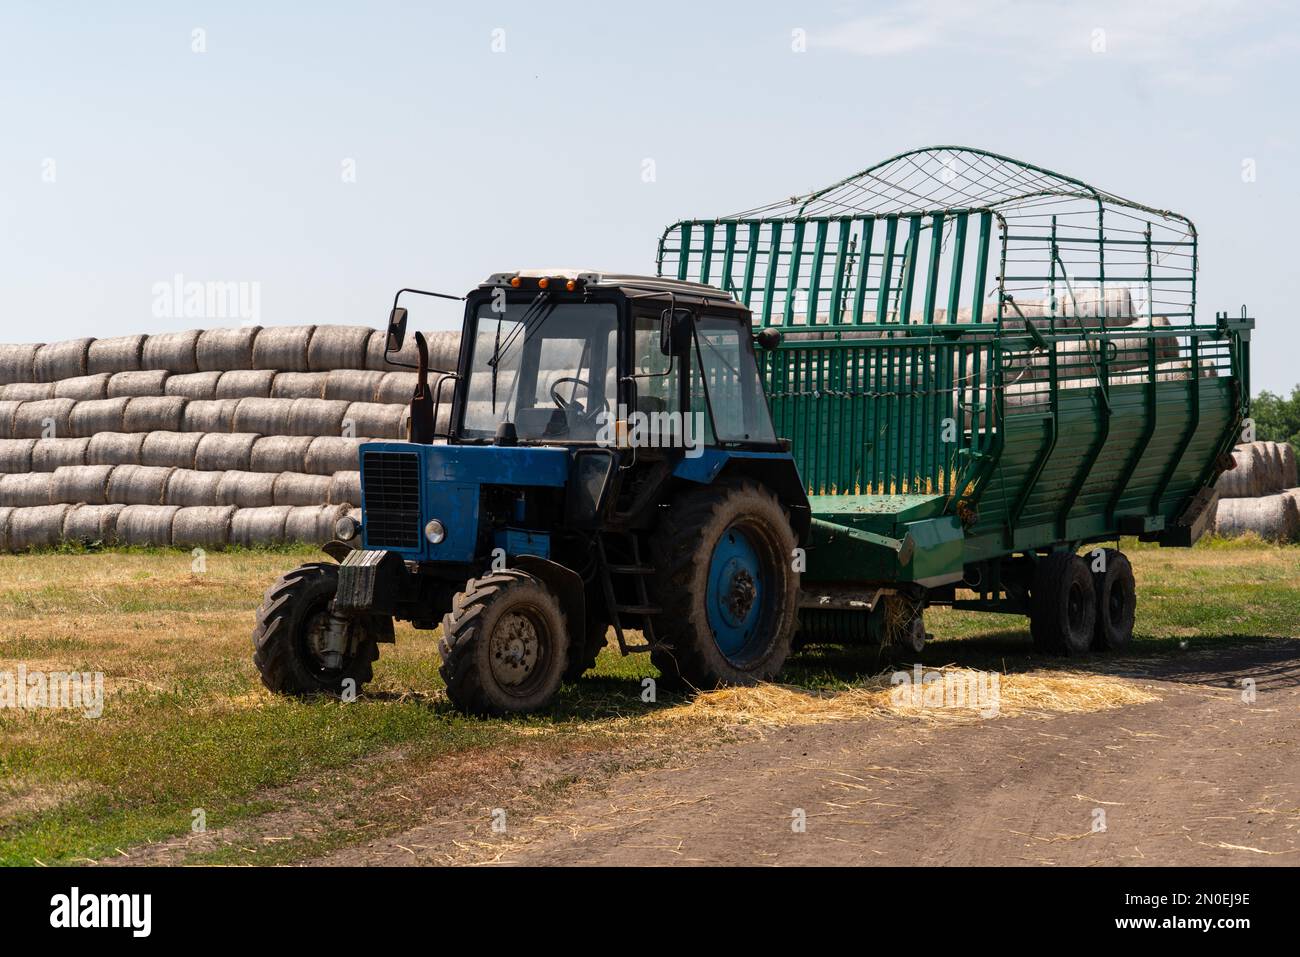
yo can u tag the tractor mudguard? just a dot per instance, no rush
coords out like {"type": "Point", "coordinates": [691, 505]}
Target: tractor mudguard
{"type": "Point", "coordinates": [564, 582]}
{"type": "Point", "coordinates": [371, 582]}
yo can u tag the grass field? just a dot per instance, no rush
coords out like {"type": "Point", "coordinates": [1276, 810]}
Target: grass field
{"type": "Point", "coordinates": [187, 725]}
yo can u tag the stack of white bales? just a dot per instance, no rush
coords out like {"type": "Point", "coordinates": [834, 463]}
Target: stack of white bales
{"type": "Point", "coordinates": [1260, 494]}
{"type": "Point", "coordinates": [212, 437]}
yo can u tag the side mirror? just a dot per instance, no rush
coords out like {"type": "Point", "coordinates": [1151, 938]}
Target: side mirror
{"type": "Point", "coordinates": [673, 330]}
{"type": "Point", "coordinates": [768, 338]}
{"type": "Point", "coordinates": [396, 330]}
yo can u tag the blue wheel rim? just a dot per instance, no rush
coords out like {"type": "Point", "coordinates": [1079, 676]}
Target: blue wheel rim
{"type": "Point", "coordinates": [735, 594]}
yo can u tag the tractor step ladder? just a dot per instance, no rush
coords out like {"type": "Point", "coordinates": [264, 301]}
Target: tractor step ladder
{"type": "Point", "coordinates": [642, 606]}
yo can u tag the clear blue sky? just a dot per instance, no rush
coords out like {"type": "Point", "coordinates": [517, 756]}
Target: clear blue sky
{"type": "Point", "coordinates": [227, 165]}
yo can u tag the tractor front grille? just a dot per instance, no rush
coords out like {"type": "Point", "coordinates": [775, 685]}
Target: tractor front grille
{"type": "Point", "coordinates": [390, 498]}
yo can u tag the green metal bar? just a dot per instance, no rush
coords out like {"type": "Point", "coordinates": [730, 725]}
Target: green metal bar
{"type": "Point", "coordinates": [1194, 402]}
{"type": "Point", "coordinates": [751, 261]}
{"type": "Point", "coordinates": [841, 263]}
{"type": "Point", "coordinates": [981, 268]}
{"type": "Point", "coordinates": [886, 267]}
{"type": "Point", "coordinates": [958, 263]}
{"type": "Point", "coordinates": [1040, 463]}
{"type": "Point", "coordinates": [864, 266]}
{"type": "Point", "coordinates": [706, 255]}
{"type": "Point", "coordinates": [932, 276]}
{"type": "Point", "coordinates": [684, 255]}
{"type": "Point", "coordinates": [728, 254]}
{"type": "Point", "coordinates": [815, 281]}
{"type": "Point", "coordinates": [1148, 433]}
{"type": "Point", "coordinates": [908, 278]}
{"type": "Point", "coordinates": [769, 285]}
{"type": "Point", "coordinates": [792, 272]}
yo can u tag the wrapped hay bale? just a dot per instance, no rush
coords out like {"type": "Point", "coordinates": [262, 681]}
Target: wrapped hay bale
{"type": "Point", "coordinates": [50, 454]}
{"type": "Point", "coordinates": [221, 350]}
{"type": "Point", "coordinates": [38, 527]}
{"type": "Point", "coordinates": [283, 348]}
{"type": "Point", "coordinates": [98, 415]}
{"type": "Point", "coordinates": [316, 417]}
{"type": "Point", "coordinates": [151, 382]}
{"type": "Point", "coordinates": [280, 453]}
{"type": "Point", "coordinates": [115, 354]}
{"type": "Point", "coordinates": [146, 524]}
{"type": "Point", "coordinates": [202, 525]}
{"type": "Point", "coordinates": [16, 455]}
{"type": "Point", "coordinates": [170, 449]}
{"type": "Point", "coordinates": [1246, 479]}
{"type": "Point", "coordinates": [313, 524]}
{"type": "Point", "coordinates": [264, 416]}
{"type": "Point", "coordinates": [210, 415]}
{"type": "Point", "coordinates": [27, 391]}
{"type": "Point", "coordinates": [172, 351]}
{"type": "Point", "coordinates": [259, 526]}
{"type": "Point", "coordinates": [83, 388]}
{"type": "Point", "coordinates": [223, 452]}
{"type": "Point", "coordinates": [138, 485]}
{"type": "Point", "coordinates": [24, 489]}
{"type": "Point", "coordinates": [1289, 477]}
{"type": "Point", "coordinates": [1273, 518]}
{"type": "Point", "coordinates": [81, 484]}
{"type": "Point", "coordinates": [5, 512]}
{"type": "Point", "coordinates": [328, 454]}
{"type": "Point", "coordinates": [298, 385]}
{"type": "Point", "coordinates": [345, 488]}
{"type": "Point", "coordinates": [376, 420]}
{"type": "Point", "coordinates": [398, 388]}
{"type": "Point", "coordinates": [91, 524]}
{"type": "Point", "coordinates": [113, 448]}
{"type": "Point", "coordinates": [247, 489]}
{"type": "Point", "coordinates": [193, 385]}
{"type": "Point", "coordinates": [18, 362]}
{"type": "Point", "coordinates": [350, 385]}
{"type": "Point", "coordinates": [338, 347]}
{"type": "Point", "coordinates": [8, 409]}
{"type": "Point", "coordinates": [295, 488]}
{"type": "Point", "coordinates": [61, 360]}
{"type": "Point", "coordinates": [245, 384]}
{"type": "Point", "coordinates": [43, 419]}
{"type": "Point", "coordinates": [375, 351]}
{"type": "Point", "coordinates": [188, 487]}
{"type": "Point", "coordinates": [164, 413]}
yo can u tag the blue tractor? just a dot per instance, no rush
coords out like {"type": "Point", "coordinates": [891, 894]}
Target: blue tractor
{"type": "Point", "coordinates": [608, 460]}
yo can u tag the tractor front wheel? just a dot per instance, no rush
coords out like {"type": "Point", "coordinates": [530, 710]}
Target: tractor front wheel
{"type": "Point", "coordinates": [301, 648]}
{"type": "Point", "coordinates": [727, 587]}
{"type": "Point", "coordinates": [505, 645]}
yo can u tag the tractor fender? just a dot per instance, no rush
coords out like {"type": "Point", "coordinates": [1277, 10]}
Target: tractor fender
{"type": "Point", "coordinates": [566, 583]}
{"type": "Point", "coordinates": [774, 470]}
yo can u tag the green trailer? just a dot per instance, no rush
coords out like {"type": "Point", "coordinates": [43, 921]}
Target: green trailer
{"type": "Point", "coordinates": [984, 367]}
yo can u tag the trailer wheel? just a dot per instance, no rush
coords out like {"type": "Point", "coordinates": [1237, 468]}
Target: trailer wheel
{"type": "Point", "coordinates": [583, 651]}
{"type": "Point", "coordinates": [1064, 605]}
{"type": "Point", "coordinates": [504, 645]}
{"type": "Point", "coordinates": [296, 650]}
{"type": "Point", "coordinates": [1116, 602]}
{"type": "Point", "coordinates": [727, 587]}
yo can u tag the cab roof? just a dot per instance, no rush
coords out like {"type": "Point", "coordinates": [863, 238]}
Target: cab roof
{"type": "Point", "coordinates": [629, 283]}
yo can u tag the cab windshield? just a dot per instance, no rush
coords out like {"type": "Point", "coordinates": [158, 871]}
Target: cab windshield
{"type": "Point", "coordinates": [550, 368]}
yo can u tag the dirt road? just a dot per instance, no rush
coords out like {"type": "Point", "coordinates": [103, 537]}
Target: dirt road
{"type": "Point", "coordinates": [1200, 776]}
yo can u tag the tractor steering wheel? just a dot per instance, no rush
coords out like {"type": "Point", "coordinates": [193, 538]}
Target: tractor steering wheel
{"type": "Point", "coordinates": [572, 405]}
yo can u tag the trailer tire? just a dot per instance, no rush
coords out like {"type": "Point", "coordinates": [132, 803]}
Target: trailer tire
{"type": "Point", "coordinates": [727, 587]}
{"type": "Point", "coordinates": [1064, 605]}
{"type": "Point", "coordinates": [1116, 603]}
{"type": "Point", "coordinates": [504, 645]}
{"type": "Point", "coordinates": [282, 638]}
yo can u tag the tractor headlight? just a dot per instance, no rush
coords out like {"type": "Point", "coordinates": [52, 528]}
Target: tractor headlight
{"type": "Point", "coordinates": [346, 528]}
{"type": "Point", "coordinates": [434, 531]}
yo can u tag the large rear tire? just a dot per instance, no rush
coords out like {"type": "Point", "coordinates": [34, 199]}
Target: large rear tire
{"type": "Point", "coordinates": [1064, 605]}
{"type": "Point", "coordinates": [505, 645]}
{"type": "Point", "coordinates": [1116, 603]}
{"type": "Point", "coordinates": [294, 647]}
{"type": "Point", "coordinates": [727, 586]}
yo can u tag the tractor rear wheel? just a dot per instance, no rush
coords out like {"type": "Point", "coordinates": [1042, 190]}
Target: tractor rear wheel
{"type": "Point", "coordinates": [727, 587]}
{"type": "Point", "coordinates": [1063, 605]}
{"type": "Point", "coordinates": [1116, 602]}
{"type": "Point", "coordinates": [300, 648]}
{"type": "Point", "coordinates": [504, 645]}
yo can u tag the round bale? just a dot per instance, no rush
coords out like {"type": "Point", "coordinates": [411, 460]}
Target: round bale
{"type": "Point", "coordinates": [376, 420]}
{"type": "Point", "coordinates": [98, 415]}
{"type": "Point", "coordinates": [61, 360]}
{"type": "Point", "coordinates": [259, 526]}
{"type": "Point", "coordinates": [26, 488]}
{"type": "Point", "coordinates": [223, 452]}
{"type": "Point", "coordinates": [112, 448]}
{"type": "Point", "coordinates": [81, 484]}
{"type": "Point", "coordinates": [43, 419]}
{"type": "Point", "coordinates": [16, 454]}
{"type": "Point", "coordinates": [298, 385]}
{"type": "Point", "coordinates": [264, 416]}
{"type": "Point", "coordinates": [338, 347]}
{"type": "Point", "coordinates": [146, 524]}
{"type": "Point", "coordinates": [189, 487]}
{"type": "Point", "coordinates": [247, 489]}
{"type": "Point", "coordinates": [115, 354]}
{"type": "Point", "coordinates": [138, 484]}
{"type": "Point", "coordinates": [173, 351]}
{"type": "Point", "coordinates": [345, 488]}
{"type": "Point", "coordinates": [295, 488]}
{"type": "Point", "coordinates": [399, 387]}
{"type": "Point", "coordinates": [203, 525]}
{"type": "Point", "coordinates": [375, 351]}
{"type": "Point", "coordinates": [27, 391]}
{"type": "Point", "coordinates": [91, 524]}
{"type": "Point", "coordinates": [1272, 517]}
{"type": "Point", "coordinates": [38, 527]}
{"type": "Point", "coordinates": [283, 348]}
{"type": "Point", "coordinates": [221, 350]}
{"type": "Point", "coordinates": [210, 415]}
{"type": "Point", "coordinates": [193, 385]}
{"type": "Point", "coordinates": [170, 449]}
{"type": "Point", "coordinates": [317, 417]}
{"type": "Point", "coordinates": [312, 524]}
{"type": "Point", "coordinates": [83, 387]}
{"type": "Point", "coordinates": [146, 382]}
{"type": "Point", "coordinates": [50, 454]}
{"type": "Point", "coordinates": [164, 413]}
{"type": "Point", "coordinates": [280, 453]}
{"type": "Point", "coordinates": [245, 384]}
{"type": "Point", "coordinates": [17, 362]}
{"type": "Point", "coordinates": [328, 454]}
{"type": "Point", "coordinates": [352, 385]}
